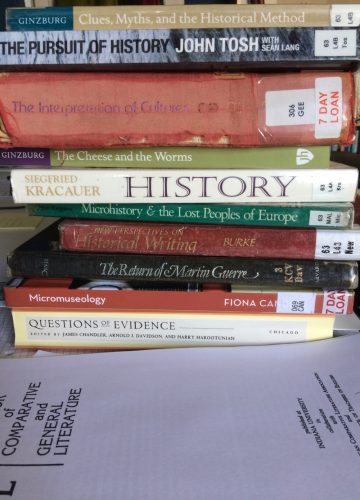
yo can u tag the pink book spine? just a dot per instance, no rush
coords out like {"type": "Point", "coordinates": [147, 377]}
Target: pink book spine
{"type": "Point", "coordinates": [102, 110]}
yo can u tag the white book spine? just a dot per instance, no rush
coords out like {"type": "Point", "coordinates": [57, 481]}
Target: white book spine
{"type": "Point", "coordinates": [173, 185]}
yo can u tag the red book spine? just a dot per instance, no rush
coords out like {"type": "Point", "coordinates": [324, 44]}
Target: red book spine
{"type": "Point", "coordinates": [38, 294]}
{"type": "Point", "coordinates": [102, 110]}
{"type": "Point", "coordinates": [192, 239]}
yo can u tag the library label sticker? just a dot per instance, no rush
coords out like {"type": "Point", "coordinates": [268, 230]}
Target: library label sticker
{"type": "Point", "coordinates": [296, 303]}
{"type": "Point", "coordinates": [345, 15]}
{"type": "Point", "coordinates": [329, 116]}
{"type": "Point", "coordinates": [335, 43]}
{"type": "Point", "coordinates": [328, 218]}
{"type": "Point", "coordinates": [290, 107]}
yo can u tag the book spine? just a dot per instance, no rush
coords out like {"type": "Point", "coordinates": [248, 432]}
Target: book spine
{"type": "Point", "coordinates": [5, 189]}
{"type": "Point", "coordinates": [173, 185]}
{"type": "Point", "coordinates": [199, 239]}
{"type": "Point", "coordinates": [200, 269]}
{"type": "Point", "coordinates": [193, 157]}
{"type": "Point", "coordinates": [111, 330]}
{"type": "Point", "coordinates": [161, 157]}
{"type": "Point", "coordinates": [42, 3]}
{"type": "Point", "coordinates": [177, 17]}
{"type": "Point", "coordinates": [69, 109]}
{"type": "Point", "coordinates": [346, 157]}
{"type": "Point", "coordinates": [184, 48]}
{"type": "Point", "coordinates": [322, 2]}
{"type": "Point", "coordinates": [305, 215]}
{"type": "Point", "coordinates": [87, 297]}
{"type": "Point", "coordinates": [357, 95]}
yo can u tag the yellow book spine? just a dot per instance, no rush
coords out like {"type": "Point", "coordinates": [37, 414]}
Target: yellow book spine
{"type": "Point", "coordinates": [144, 330]}
{"type": "Point", "coordinates": [201, 16]}
{"type": "Point", "coordinates": [306, 2]}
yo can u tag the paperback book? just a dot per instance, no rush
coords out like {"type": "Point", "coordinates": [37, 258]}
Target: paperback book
{"type": "Point", "coordinates": [283, 2]}
{"type": "Point", "coordinates": [171, 157]}
{"type": "Point", "coordinates": [112, 110]}
{"type": "Point", "coordinates": [202, 239]}
{"type": "Point", "coordinates": [97, 295]}
{"type": "Point", "coordinates": [180, 16]}
{"type": "Point", "coordinates": [144, 330]}
{"type": "Point", "coordinates": [330, 215]}
{"type": "Point", "coordinates": [181, 49]}
{"type": "Point", "coordinates": [41, 257]}
{"type": "Point", "coordinates": [194, 186]}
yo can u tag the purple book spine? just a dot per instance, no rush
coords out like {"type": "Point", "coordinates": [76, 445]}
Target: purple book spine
{"type": "Point", "coordinates": [24, 157]}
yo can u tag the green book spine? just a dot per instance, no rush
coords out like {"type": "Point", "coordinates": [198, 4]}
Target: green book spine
{"type": "Point", "coordinates": [331, 216]}
{"type": "Point", "coordinates": [193, 157]}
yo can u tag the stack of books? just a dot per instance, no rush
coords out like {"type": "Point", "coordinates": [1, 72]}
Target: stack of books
{"type": "Point", "coordinates": [197, 203]}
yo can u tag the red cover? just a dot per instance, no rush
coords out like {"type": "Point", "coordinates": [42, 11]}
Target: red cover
{"type": "Point", "coordinates": [47, 293]}
{"type": "Point", "coordinates": [74, 110]}
{"type": "Point", "coordinates": [182, 239]}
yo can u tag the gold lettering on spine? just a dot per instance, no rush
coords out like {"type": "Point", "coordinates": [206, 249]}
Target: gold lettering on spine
{"type": "Point", "coordinates": [68, 191]}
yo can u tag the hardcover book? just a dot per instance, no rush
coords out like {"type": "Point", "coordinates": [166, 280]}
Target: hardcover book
{"type": "Point", "coordinates": [181, 49]}
{"type": "Point", "coordinates": [331, 215]}
{"type": "Point", "coordinates": [177, 17]}
{"type": "Point", "coordinates": [201, 239]}
{"type": "Point", "coordinates": [42, 257]}
{"type": "Point", "coordinates": [357, 95]}
{"type": "Point", "coordinates": [191, 186]}
{"type": "Point", "coordinates": [171, 157]}
{"type": "Point", "coordinates": [97, 295]}
{"type": "Point", "coordinates": [346, 157]}
{"type": "Point", "coordinates": [36, 328]}
{"type": "Point", "coordinates": [6, 199]}
{"type": "Point", "coordinates": [15, 228]}
{"type": "Point", "coordinates": [76, 110]}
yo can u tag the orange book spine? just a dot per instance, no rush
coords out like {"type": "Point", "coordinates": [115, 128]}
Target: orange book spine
{"type": "Point", "coordinates": [44, 293]}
